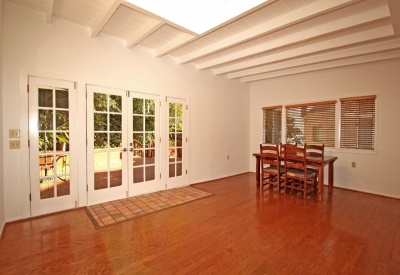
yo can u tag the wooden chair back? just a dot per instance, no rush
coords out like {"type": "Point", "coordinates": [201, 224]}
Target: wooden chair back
{"type": "Point", "coordinates": [269, 155]}
{"type": "Point", "coordinates": [294, 157]}
{"type": "Point", "coordinates": [315, 150]}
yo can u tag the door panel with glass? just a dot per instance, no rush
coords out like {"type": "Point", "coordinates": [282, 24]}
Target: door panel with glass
{"type": "Point", "coordinates": [177, 142]}
{"type": "Point", "coordinates": [144, 143]}
{"type": "Point", "coordinates": [106, 133]}
{"type": "Point", "coordinates": [53, 141]}
{"type": "Point", "coordinates": [123, 130]}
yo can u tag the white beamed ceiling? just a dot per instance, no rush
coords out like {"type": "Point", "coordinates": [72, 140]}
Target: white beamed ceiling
{"type": "Point", "coordinates": [278, 38]}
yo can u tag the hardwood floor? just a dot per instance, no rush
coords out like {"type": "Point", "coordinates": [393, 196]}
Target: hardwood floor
{"type": "Point", "coordinates": [240, 230]}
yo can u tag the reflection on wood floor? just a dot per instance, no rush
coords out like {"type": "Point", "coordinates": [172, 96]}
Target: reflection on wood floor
{"type": "Point", "coordinates": [239, 230]}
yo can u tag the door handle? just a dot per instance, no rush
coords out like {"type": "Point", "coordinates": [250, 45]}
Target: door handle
{"type": "Point", "coordinates": [123, 150]}
{"type": "Point", "coordinates": [131, 150]}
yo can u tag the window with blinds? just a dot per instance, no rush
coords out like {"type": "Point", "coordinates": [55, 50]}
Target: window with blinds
{"type": "Point", "coordinates": [272, 122]}
{"type": "Point", "coordinates": [311, 123]}
{"type": "Point", "coordinates": [357, 123]}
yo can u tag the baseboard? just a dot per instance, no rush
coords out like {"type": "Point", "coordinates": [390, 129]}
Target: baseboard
{"type": "Point", "coordinates": [1, 229]}
{"type": "Point", "coordinates": [365, 192]}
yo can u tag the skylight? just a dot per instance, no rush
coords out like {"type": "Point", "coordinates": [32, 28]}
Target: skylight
{"type": "Point", "coordinates": [197, 16]}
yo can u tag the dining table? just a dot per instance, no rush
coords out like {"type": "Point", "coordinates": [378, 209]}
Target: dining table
{"type": "Point", "coordinates": [317, 161]}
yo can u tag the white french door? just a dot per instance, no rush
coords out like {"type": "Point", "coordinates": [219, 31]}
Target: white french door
{"type": "Point", "coordinates": [176, 134]}
{"type": "Point", "coordinates": [106, 144]}
{"type": "Point", "coordinates": [123, 144]}
{"type": "Point", "coordinates": [52, 145]}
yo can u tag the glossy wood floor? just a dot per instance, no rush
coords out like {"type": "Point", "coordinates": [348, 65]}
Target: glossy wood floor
{"type": "Point", "coordinates": [240, 230]}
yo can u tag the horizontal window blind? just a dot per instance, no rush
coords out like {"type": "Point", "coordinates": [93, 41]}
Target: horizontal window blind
{"type": "Point", "coordinates": [311, 123]}
{"type": "Point", "coordinates": [272, 122]}
{"type": "Point", "coordinates": [357, 123]}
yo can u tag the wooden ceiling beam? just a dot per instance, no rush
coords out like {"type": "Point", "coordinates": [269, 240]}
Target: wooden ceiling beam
{"type": "Point", "coordinates": [310, 48]}
{"type": "Point", "coordinates": [380, 46]}
{"type": "Point", "coordinates": [299, 15]}
{"type": "Point", "coordinates": [340, 24]}
{"type": "Point", "coordinates": [144, 32]}
{"type": "Point", "coordinates": [357, 60]}
{"type": "Point", "coordinates": [103, 19]}
{"type": "Point", "coordinates": [183, 39]}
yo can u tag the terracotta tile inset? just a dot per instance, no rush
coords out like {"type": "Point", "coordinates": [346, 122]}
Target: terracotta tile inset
{"type": "Point", "coordinates": [113, 212]}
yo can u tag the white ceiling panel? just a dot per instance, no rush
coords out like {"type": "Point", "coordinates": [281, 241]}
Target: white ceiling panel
{"type": "Point", "coordinates": [271, 40]}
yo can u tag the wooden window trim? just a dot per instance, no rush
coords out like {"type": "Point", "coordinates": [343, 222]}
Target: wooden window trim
{"type": "Point", "coordinates": [358, 98]}
{"type": "Point", "coordinates": [311, 104]}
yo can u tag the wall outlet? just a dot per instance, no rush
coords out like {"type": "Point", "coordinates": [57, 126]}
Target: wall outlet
{"type": "Point", "coordinates": [14, 144]}
{"type": "Point", "coordinates": [13, 133]}
{"type": "Point", "coordinates": [353, 164]}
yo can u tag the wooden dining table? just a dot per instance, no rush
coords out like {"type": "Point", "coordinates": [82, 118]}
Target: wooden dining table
{"type": "Point", "coordinates": [316, 161]}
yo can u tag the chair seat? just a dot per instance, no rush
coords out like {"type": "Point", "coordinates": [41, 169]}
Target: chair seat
{"type": "Point", "coordinates": [272, 169]}
{"type": "Point", "coordinates": [300, 173]}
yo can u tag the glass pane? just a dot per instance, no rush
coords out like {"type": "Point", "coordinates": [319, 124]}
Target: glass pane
{"type": "Point", "coordinates": [116, 167]}
{"type": "Point", "coordinates": [137, 158]}
{"type": "Point", "coordinates": [62, 120]}
{"type": "Point", "coordinates": [61, 164]}
{"type": "Point", "coordinates": [137, 106]}
{"type": "Point", "coordinates": [46, 188]}
{"type": "Point", "coordinates": [100, 175]}
{"type": "Point", "coordinates": [179, 169]}
{"type": "Point", "coordinates": [179, 125]}
{"type": "Point", "coordinates": [100, 122]}
{"type": "Point", "coordinates": [149, 140]}
{"type": "Point", "coordinates": [115, 140]}
{"type": "Point", "coordinates": [62, 139]}
{"type": "Point", "coordinates": [150, 123]}
{"type": "Point", "coordinates": [150, 107]}
{"type": "Point", "coordinates": [116, 178]}
{"type": "Point", "coordinates": [150, 157]}
{"type": "Point", "coordinates": [172, 170]}
{"type": "Point", "coordinates": [179, 110]}
{"type": "Point", "coordinates": [137, 123]}
{"type": "Point", "coordinates": [172, 154]}
{"type": "Point", "coordinates": [172, 124]}
{"type": "Point", "coordinates": [45, 97]}
{"type": "Point", "coordinates": [45, 142]}
{"type": "Point", "coordinates": [179, 154]}
{"type": "Point", "coordinates": [115, 103]}
{"type": "Point", "coordinates": [100, 180]}
{"type": "Point", "coordinates": [150, 173]}
{"type": "Point", "coordinates": [63, 187]}
{"type": "Point", "coordinates": [172, 109]}
{"type": "Point", "coordinates": [100, 140]}
{"type": "Point", "coordinates": [172, 140]}
{"type": "Point", "coordinates": [138, 174]}
{"type": "Point", "coordinates": [115, 122]}
{"type": "Point", "coordinates": [62, 98]}
{"type": "Point", "coordinates": [45, 120]}
{"type": "Point", "coordinates": [179, 140]}
{"type": "Point", "coordinates": [100, 102]}
{"type": "Point", "coordinates": [137, 140]}
{"type": "Point", "coordinates": [46, 165]}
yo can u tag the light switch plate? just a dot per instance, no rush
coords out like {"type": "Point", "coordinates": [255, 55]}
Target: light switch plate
{"type": "Point", "coordinates": [15, 144]}
{"type": "Point", "coordinates": [14, 133]}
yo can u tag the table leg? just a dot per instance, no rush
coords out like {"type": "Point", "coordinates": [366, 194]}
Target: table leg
{"type": "Point", "coordinates": [258, 170]}
{"type": "Point", "coordinates": [320, 182]}
{"type": "Point", "coordinates": [330, 178]}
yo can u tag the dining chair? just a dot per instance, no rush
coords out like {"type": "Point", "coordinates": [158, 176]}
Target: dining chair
{"type": "Point", "coordinates": [315, 150]}
{"type": "Point", "coordinates": [46, 163]}
{"type": "Point", "coordinates": [271, 168]}
{"type": "Point", "coordinates": [297, 175]}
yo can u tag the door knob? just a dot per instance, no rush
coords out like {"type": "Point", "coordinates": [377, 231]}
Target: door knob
{"type": "Point", "coordinates": [131, 150]}
{"type": "Point", "coordinates": [123, 150]}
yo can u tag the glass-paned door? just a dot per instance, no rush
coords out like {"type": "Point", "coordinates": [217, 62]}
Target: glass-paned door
{"type": "Point", "coordinates": [52, 139]}
{"type": "Point", "coordinates": [144, 171]}
{"type": "Point", "coordinates": [177, 142]}
{"type": "Point", "coordinates": [123, 144]}
{"type": "Point", "coordinates": [107, 152]}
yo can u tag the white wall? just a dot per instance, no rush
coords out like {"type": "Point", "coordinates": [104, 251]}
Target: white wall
{"type": "Point", "coordinates": [2, 213]}
{"type": "Point", "coordinates": [374, 171]}
{"type": "Point", "coordinates": [219, 109]}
